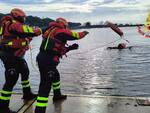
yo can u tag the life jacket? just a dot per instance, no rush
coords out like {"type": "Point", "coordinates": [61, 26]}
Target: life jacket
{"type": "Point", "coordinates": [9, 39]}
{"type": "Point", "coordinates": [50, 44]}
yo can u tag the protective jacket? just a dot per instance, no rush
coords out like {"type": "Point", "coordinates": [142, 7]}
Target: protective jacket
{"type": "Point", "coordinates": [15, 36]}
{"type": "Point", "coordinates": [55, 40]}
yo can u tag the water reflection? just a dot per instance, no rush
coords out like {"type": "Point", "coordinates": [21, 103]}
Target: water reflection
{"type": "Point", "coordinates": [95, 70]}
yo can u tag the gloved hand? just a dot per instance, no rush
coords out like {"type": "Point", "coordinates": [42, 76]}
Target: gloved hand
{"type": "Point", "coordinates": [85, 32]}
{"type": "Point", "coordinates": [37, 31]}
{"type": "Point", "coordinates": [73, 46]}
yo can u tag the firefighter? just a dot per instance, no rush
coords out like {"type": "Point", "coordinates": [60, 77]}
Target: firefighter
{"type": "Point", "coordinates": [14, 42]}
{"type": "Point", "coordinates": [53, 47]}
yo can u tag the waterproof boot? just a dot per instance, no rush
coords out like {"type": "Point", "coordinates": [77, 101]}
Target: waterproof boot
{"type": "Point", "coordinates": [28, 95]}
{"type": "Point", "coordinates": [58, 96]}
{"type": "Point", "coordinates": [40, 110]}
{"type": "Point", "coordinates": [7, 110]}
{"type": "Point", "coordinates": [4, 106]}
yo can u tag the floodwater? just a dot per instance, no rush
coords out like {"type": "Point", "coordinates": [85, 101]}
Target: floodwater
{"type": "Point", "coordinates": [95, 70]}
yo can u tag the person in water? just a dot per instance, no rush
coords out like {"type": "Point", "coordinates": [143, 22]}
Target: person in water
{"type": "Point", "coordinates": [120, 46]}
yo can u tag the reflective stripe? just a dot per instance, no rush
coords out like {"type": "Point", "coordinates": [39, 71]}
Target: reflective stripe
{"type": "Point", "coordinates": [24, 86]}
{"type": "Point", "coordinates": [5, 98]}
{"type": "Point", "coordinates": [75, 34]}
{"type": "Point", "coordinates": [23, 43]}
{"type": "Point", "coordinates": [6, 92]}
{"type": "Point", "coordinates": [14, 21]}
{"type": "Point", "coordinates": [49, 35]}
{"type": "Point", "coordinates": [56, 83]}
{"type": "Point", "coordinates": [27, 29]}
{"type": "Point", "coordinates": [30, 29]}
{"type": "Point", "coordinates": [42, 98]}
{"type": "Point", "coordinates": [47, 42]}
{"type": "Point", "coordinates": [1, 30]}
{"type": "Point", "coordinates": [26, 81]}
{"type": "Point", "coordinates": [146, 25]}
{"type": "Point", "coordinates": [55, 88]}
{"type": "Point", "coordinates": [9, 43]}
{"type": "Point", "coordinates": [38, 104]}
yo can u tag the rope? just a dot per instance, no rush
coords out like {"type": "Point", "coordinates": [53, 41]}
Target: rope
{"type": "Point", "coordinates": [31, 58]}
{"type": "Point", "coordinates": [93, 49]}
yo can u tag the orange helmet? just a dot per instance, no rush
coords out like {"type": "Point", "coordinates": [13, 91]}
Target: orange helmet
{"type": "Point", "coordinates": [18, 14]}
{"type": "Point", "coordinates": [62, 21]}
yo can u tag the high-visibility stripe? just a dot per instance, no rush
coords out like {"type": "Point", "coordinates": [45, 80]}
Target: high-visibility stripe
{"type": "Point", "coordinates": [30, 29]}
{"type": "Point", "coordinates": [25, 28]}
{"type": "Point", "coordinates": [6, 92]}
{"type": "Point", "coordinates": [14, 21]}
{"type": "Point", "coordinates": [26, 81]}
{"type": "Point", "coordinates": [23, 43]}
{"type": "Point", "coordinates": [9, 43]}
{"type": "Point", "coordinates": [1, 30]}
{"type": "Point", "coordinates": [5, 98]}
{"type": "Point", "coordinates": [56, 87]}
{"type": "Point", "coordinates": [24, 86]}
{"type": "Point", "coordinates": [56, 83]}
{"type": "Point", "coordinates": [75, 34]}
{"type": "Point", "coordinates": [42, 98]}
{"type": "Point", "coordinates": [47, 42]}
{"type": "Point", "coordinates": [49, 35]}
{"type": "Point", "coordinates": [38, 104]}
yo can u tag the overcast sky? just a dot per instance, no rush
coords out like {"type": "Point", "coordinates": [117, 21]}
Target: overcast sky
{"type": "Point", "coordinates": [121, 11]}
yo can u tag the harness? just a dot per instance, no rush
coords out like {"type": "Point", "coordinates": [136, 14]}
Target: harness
{"type": "Point", "coordinates": [59, 47]}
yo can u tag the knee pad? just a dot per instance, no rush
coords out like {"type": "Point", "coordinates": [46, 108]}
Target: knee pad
{"type": "Point", "coordinates": [55, 76]}
{"type": "Point", "coordinates": [11, 72]}
{"type": "Point", "coordinates": [11, 78]}
{"type": "Point", "coordinates": [51, 74]}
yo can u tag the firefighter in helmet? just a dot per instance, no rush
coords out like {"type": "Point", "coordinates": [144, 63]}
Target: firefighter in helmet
{"type": "Point", "coordinates": [14, 42]}
{"type": "Point", "coordinates": [53, 47]}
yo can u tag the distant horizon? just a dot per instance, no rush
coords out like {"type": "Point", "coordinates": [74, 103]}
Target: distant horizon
{"type": "Point", "coordinates": [98, 23]}
{"type": "Point", "coordinates": [94, 11]}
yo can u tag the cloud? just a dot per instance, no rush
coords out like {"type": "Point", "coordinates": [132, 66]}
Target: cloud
{"type": "Point", "coordinates": [85, 6]}
{"type": "Point", "coordinates": [40, 1]}
{"type": "Point", "coordinates": [55, 7]}
{"type": "Point", "coordinates": [85, 9]}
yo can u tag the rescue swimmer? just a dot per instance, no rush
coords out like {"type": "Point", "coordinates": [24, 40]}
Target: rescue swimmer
{"type": "Point", "coordinates": [120, 46]}
{"type": "Point", "coordinates": [15, 37]}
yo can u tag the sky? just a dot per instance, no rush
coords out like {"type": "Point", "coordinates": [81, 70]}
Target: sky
{"type": "Point", "coordinates": [94, 11]}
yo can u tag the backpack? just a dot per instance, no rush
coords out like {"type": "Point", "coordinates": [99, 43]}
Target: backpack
{"type": "Point", "coordinates": [3, 22]}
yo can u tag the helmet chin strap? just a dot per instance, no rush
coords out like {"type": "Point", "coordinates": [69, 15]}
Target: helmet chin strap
{"type": "Point", "coordinates": [20, 19]}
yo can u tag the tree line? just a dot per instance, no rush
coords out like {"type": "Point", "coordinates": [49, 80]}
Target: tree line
{"type": "Point", "coordinates": [42, 22]}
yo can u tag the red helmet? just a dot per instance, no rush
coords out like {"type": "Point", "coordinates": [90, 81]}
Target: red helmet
{"type": "Point", "coordinates": [18, 14]}
{"type": "Point", "coordinates": [62, 21]}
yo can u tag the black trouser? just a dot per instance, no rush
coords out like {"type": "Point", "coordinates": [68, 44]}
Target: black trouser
{"type": "Point", "coordinates": [49, 76]}
{"type": "Point", "coordinates": [13, 67]}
